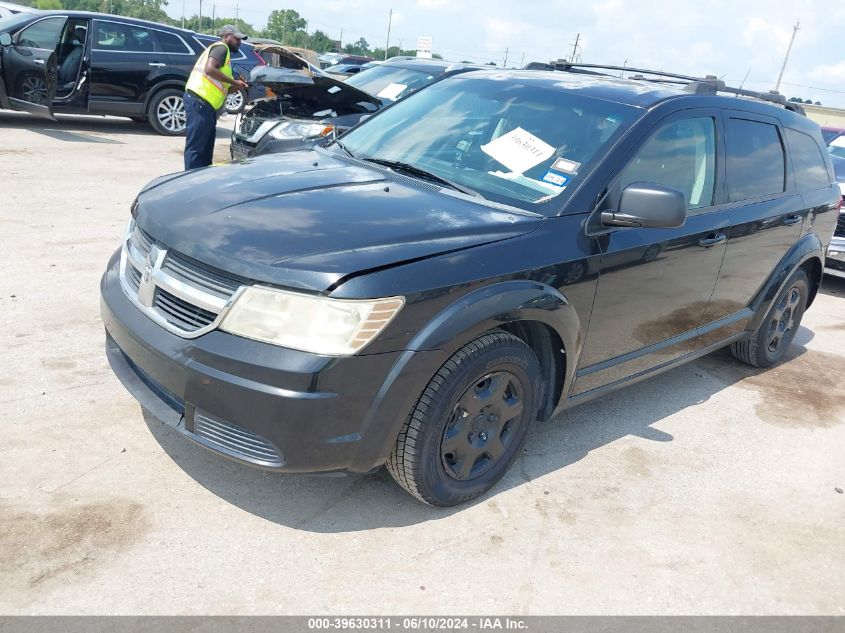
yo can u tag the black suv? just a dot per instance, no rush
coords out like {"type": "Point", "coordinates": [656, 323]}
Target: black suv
{"type": "Point", "coordinates": [74, 62]}
{"type": "Point", "coordinates": [489, 251]}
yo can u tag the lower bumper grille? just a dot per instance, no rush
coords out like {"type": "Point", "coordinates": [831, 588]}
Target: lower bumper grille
{"type": "Point", "coordinates": [235, 441]}
{"type": "Point", "coordinates": [840, 226]}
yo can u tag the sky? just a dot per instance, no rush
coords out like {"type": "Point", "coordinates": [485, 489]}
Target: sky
{"type": "Point", "coordinates": [726, 38]}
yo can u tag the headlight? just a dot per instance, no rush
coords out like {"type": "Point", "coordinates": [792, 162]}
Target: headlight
{"type": "Point", "coordinates": [290, 130]}
{"type": "Point", "coordinates": [334, 327]}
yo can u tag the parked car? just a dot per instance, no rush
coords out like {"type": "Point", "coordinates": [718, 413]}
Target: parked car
{"type": "Point", "coordinates": [75, 62]}
{"type": "Point", "coordinates": [834, 264]}
{"type": "Point", "coordinates": [8, 9]}
{"type": "Point", "coordinates": [304, 116]}
{"type": "Point", "coordinates": [342, 71]}
{"type": "Point", "coordinates": [402, 297]}
{"type": "Point", "coordinates": [247, 58]}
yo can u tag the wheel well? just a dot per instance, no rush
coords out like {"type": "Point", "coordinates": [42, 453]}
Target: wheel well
{"type": "Point", "coordinates": [813, 268]}
{"type": "Point", "coordinates": [548, 347]}
{"type": "Point", "coordinates": [171, 85]}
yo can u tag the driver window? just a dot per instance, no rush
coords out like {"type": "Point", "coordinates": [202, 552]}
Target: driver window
{"type": "Point", "coordinates": [44, 34]}
{"type": "Point", "coordinates": [682, 155]}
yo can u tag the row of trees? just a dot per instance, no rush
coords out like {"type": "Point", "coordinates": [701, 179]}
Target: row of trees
{"type": "Point", "coordinates": [283, 25]}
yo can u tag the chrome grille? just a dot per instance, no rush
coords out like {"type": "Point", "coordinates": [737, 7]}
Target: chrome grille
{"type": "Point", "coordinates": [182, 295]}
{"type": "Point", "coordinates": [840, 226]}
{"type": "Point", "coordinates": [235, 440]}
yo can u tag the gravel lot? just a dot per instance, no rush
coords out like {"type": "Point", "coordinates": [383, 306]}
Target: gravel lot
{"type": "Point", "coordinates": [710, 489]}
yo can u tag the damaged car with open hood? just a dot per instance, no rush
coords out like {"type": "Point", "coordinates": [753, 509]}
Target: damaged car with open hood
{"type": "Point", "coordinates": [305, 106]}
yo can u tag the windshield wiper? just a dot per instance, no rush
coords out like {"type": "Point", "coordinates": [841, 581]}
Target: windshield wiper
{"type": "Point", "coordinates": [424, 175]}
{"type": "Point", "coordinates": [343, 147]}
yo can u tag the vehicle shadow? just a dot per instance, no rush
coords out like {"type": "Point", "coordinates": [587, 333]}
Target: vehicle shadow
{"type": "Point", "coordinates": [833, 286]}
{"type": "Point", "coordinates": [73, 128]}
{"type": "Point", "coordinates": [353, 503]}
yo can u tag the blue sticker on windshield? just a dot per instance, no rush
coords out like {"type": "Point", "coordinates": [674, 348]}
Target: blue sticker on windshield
{"type": "Point", "coordinates": [555, 179]}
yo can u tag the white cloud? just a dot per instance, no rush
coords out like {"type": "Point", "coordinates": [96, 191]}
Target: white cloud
{"type": "Point", "coordinates": [829, 72]}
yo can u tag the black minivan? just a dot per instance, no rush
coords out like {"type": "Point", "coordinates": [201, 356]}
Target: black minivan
{"type": "Point", "coordinates": [485, 253]}
{"type": "Point", "coordinates": [75, 62]}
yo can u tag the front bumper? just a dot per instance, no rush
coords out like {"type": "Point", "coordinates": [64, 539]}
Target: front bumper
{"type": "Point", "coordinates": [834, 263]}
{"type": "Point", "coordinates": [260, 404]}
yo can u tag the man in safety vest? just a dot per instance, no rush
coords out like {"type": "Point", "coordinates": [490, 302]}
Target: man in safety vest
{"type": "Point", "coordinates": [210, 81]}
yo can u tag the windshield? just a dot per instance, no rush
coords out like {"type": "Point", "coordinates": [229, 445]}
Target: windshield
{"type": "Point", "coordinates": [390, 83]}
{"type": "Point", "coordinates": [13, 23]}
{"type": "Point", "coordinates": [518, 141]}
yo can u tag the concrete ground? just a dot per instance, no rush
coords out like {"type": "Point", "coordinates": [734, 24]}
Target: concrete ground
{"type": "Point", "coordinates": [708, 490]}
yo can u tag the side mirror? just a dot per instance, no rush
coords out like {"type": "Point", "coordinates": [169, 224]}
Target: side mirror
{"type": "Point", "coordinates": [648, 205]}
{"type": "Point", "coordinates": [5, 39]}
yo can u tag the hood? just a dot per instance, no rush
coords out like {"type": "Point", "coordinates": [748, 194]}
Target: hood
{"type": "Point", "coordinates": [308, 220]}
{"type": "Point", "coordinates": [295, 76]}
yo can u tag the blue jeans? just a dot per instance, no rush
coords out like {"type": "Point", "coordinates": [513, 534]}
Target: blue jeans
{"type": "Point", "coordinates": [201, 122]}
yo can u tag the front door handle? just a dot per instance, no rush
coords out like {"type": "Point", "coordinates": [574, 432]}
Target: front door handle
{"type": "Point", "coordinates": [707, 242]}
{"type": "Point", "coordinates": [40, 62]}
{"type": "Point", "coordinates": [793, 219]}
{"type": "Point", "coordinates": [157, 64]}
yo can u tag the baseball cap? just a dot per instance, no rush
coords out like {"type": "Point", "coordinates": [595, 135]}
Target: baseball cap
{"type": "Point", "coordinates": [230, 29]}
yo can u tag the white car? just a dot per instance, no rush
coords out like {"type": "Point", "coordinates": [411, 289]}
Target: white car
{"type": "Point", "coordinates": [8, 9]}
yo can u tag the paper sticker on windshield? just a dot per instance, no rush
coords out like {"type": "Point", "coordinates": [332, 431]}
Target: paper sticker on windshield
{"type": "Point", "coordinates": [518, 150]}
{"type": "Point", "coordinates": [391, 92]}
{"type": "Point", "coordinates": [566, 166]}
{"type": "Point", "coordinates": [556, 179]}
{"type": "Point", "coordinates": [333, 90]}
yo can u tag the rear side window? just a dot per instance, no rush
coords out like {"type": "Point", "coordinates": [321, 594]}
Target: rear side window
{"type": "Point", "coordinates": [113, 36]}
{"type": "Point", "coordinates": [43, 34]}
{"type": "Point", "coordinates": [682, 155]}
{"type": "Point", "coordinates": [756, 163]}
{"type": "Point", "coordinates": [170, 43]}
{"type": "Point", "coordinates": [807, 160]}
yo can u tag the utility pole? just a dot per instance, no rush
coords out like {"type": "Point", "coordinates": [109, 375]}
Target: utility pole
{"type": "Point", "coordinates": [183, 14]}
{"type": "Point", "coordinates": [340, 48]}
{"type": "Point", "coordinates": [213, 14]}
{"type": "Point", "coordinates": [505, 63]}
{"type": "Point", "coordinates": [522, 61]}
{"type": "Point", "coordinates": [788, 51]}
{"type": "Point", "coordinates": [199, 28]}
{"type": "Point", "coordinates": [237, 16]}
{"type": "Point", "coordinates": [389, 23]}
{"type": "Point", "coordinates": [284, 26]}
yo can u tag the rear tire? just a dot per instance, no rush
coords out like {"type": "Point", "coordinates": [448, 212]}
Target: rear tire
{"type": "Point", "coordinates": [166, 112]}
{"type": "Point", "coordinates": [470, 423]}
{"type": "Point", "coordinates": [773, 336]}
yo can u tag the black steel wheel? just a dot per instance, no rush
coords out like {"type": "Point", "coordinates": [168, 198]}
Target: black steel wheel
{"type": "Point", "coordinates": [470, 422]}
{"type": "Point", "coordinates": [774, 335]}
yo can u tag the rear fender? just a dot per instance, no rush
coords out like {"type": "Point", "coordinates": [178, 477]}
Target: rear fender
{"type": "Point", "coordinates": [805, 249]}
{"type": "Point", "coordinates": [470, 316]}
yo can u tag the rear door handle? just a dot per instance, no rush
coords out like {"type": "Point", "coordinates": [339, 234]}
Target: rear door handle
{"type": "Point", "coordinates": [793, 219]}
{"type": "Point", "coordinates": [157, 64]}
{"type": "Point", "coordinates": [40, 62]}
{"type": "Point", "coordinates": [707, 242]}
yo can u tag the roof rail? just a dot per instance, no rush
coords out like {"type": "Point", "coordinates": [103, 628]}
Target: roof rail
{"type": "Point", "coordinates": [696, 85]}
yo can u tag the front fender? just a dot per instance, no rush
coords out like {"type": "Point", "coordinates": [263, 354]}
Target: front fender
{"type": "Point", "coordinates": [4, 96]}
{"type": "Point", "coordinates": [473, 314]}
{"type": "Point", "coordinates": [805, 249]}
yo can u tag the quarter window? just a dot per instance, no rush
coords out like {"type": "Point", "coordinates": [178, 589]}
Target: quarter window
{"type": "Point", "coordinates": [756, 164]}
{"type": "Point", "coordinates": [43, 34]}
{"type": "Point", "coordinates": [807, 160]}
{"type": "Point", "coordinates": [112, 36]}
{"type": "Point", "coordinates": [681, 155]}
{"type": "Point", "coordinates": [170, 43]}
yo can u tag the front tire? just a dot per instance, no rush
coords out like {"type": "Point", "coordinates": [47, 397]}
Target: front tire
{"type": "Point", "coordinates": [470, 423]}
{"type": "Point", "coordinates": [774, 335]}
{"type": "Point", "coordinates": [166, 112]}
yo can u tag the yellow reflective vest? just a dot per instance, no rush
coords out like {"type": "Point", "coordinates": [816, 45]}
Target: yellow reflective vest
{"type": "Point", "coordinates": [204, 86]}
